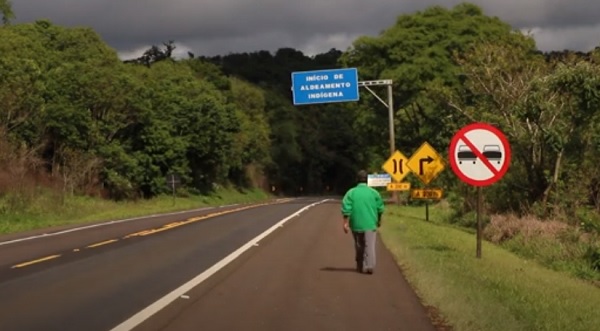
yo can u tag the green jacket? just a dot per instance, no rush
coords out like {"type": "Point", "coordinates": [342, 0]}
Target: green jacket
{"type": "Point", "coordinates": [363, 205]}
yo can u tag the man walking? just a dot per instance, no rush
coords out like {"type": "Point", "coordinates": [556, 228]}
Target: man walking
{"type": "Point", "coordinates": [362, 207]}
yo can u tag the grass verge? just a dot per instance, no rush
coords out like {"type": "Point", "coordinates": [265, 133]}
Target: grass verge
{"type": "Point", "coordinates": [46, 210]}
{"type": "Point", "coordinates": [500, 291]}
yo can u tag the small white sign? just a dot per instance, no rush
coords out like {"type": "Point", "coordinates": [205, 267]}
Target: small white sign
{"type": "Point", "coordinates": [378, 180]}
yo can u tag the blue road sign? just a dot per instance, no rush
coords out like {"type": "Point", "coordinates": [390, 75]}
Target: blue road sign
{"type": "Point", "coordinates": [324, 86]}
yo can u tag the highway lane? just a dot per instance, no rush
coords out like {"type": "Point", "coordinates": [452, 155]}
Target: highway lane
{"type": "Point", "coordinates": [24, 249]}
{"type": "Point", "coordinates": [300, 278]}
{"type": "Point", "coordinates": [95, 278]}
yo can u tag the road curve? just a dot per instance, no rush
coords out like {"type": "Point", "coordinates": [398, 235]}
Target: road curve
{"type": "Point", "coordinates": [302, 278]}
{"type": "Point", "coordinates": [106, 277]}
{"type": "Point", "coordinates": [95, 282]}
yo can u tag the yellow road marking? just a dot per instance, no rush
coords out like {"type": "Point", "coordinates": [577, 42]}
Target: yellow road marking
{"type": "Point", "coordinates": [153, 231]}
{"type": "Point", "coordinates": [192, 220]}
{"type": "Point", "coordinates": [135, 234]}
{"type": "Point", "coordinates": [25, 264]}
{"type": "Point", "coordinates": [147, 232]}
{"type": "Point", "coordinates": [174, 224]}
{"type": "Point", "coordinates": [102, 243]}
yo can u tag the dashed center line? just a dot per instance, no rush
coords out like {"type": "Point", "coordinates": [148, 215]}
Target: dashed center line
{"type": "Point", "coordinates": [148, 232]}
{"type": "Point", "coordinates": [25, 264]}
{"type": "Point", "coordinates": [102, 243]}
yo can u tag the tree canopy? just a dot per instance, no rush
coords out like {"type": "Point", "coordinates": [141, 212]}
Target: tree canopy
{"type": "Point", "coordinates": [99, 125]}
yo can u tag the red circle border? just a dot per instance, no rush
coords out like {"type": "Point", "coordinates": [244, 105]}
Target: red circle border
{"type": "Point", "coordinates": [460, 134]}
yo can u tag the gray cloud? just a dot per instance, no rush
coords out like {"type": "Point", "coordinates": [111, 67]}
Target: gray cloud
{"type": "Point", "coordinates": [212, 27]}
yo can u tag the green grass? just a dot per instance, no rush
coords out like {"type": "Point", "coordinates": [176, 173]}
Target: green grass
{"type": "Point", "coordinates": [46, 210]}
{"type": "Point", "coordinates": [500, 291]}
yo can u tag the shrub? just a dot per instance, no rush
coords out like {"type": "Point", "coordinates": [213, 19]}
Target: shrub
{"type": "Point", "coordinates": [505, 227]}
{"type": "Point", "coordinates": [552, 243]}
{"type": "Point", "coordinates": [592, 255]}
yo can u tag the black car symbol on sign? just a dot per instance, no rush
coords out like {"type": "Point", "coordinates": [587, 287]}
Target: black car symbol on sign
{"type": "Point", "coordinates": [490, 152]}
{"type": "Point", "coordinates": [465, 154]}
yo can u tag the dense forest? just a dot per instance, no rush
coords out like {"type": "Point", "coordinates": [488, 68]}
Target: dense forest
{"type": "Point", "coordinates": [76, 118]}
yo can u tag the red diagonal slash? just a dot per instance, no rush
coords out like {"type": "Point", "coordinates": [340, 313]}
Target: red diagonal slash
{"type": "Point", "coordinates": [479, 155]}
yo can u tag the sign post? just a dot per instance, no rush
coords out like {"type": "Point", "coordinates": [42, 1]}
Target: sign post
{"type": "Point", "coordinates": [426, 164]}
{"type": "Point", "coordinates": [173, 181]}
{"type": "Point", "coordinates": [479, 155]}
{"type": "Point", "coordinates": [341, 85]}
{"type": "Point", "coordinates": [390, 106]}
{"type": "Point", "coordinates": [396, 167]}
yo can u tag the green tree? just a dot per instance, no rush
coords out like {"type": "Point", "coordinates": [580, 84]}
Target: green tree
{"type": "Point", "coordinates": [252, 143]}
{"type": "Point", "coordinates": [22, 83]}
{"type": "Point", "coordinates": [417, 54]}
{"type": "Point", "coordinates": [547, 109]}
{"type": "Point", "coordinates": [7, 12]}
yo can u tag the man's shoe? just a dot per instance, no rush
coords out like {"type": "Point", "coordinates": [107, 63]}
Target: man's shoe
{"type": "Point", "coordinates": [369, 271]}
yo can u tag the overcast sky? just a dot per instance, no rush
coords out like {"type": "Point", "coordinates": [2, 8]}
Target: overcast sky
{"type": "Point", "coordinates": [210, 27]}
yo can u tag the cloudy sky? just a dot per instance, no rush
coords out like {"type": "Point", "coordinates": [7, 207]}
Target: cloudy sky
{"type": "Point", "coordinates": [210, 27]}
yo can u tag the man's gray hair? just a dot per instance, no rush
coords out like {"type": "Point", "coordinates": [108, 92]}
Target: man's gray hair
{"type": "Point", "coordinates": [362, 175]}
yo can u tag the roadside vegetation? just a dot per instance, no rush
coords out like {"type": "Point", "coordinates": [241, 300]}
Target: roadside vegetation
{"type": "Point", "coordinates": [48, 209]}
{"type": "Point", "coordinates": [85, 135]}
{"type": "Point", "coordinates": [501, 291]}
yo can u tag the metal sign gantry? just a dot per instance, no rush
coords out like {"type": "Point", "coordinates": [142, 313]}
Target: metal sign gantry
{"type": "Point", "coordinates": [389, 104]}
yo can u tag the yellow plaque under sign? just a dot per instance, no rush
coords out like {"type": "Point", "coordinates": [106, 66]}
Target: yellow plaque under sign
{"type": "Point", "coordinates": [426, 163]}
{"type": "Point", "coordinates": [396, 166]}
{"type": "Point", "coordinates": [428, 193]}
{"type": "Point", "coordinates": [398, 186]}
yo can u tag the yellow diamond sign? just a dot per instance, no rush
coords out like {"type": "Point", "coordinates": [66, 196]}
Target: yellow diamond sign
{"type": "Point", "coordinates": [396, 166]}
{"type": "Point", "coordinates": [426, 163]}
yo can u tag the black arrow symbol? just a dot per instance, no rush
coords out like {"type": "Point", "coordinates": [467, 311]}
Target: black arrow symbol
{"type": "Point", "coordinates": [427, 160]}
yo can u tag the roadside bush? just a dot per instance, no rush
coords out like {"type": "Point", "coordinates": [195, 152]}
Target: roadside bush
{"type": "Point", "coordinates": [592, 255]}
{"type": "Point", "coordinates": [552, 243]}
{"type": "Point", "coordinates": [505, 227]}
{"type": "Point", "coordinates": [589, 220]}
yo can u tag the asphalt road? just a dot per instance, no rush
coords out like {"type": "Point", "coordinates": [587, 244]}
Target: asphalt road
{"type": "Point", "coordinates": [203, 270]}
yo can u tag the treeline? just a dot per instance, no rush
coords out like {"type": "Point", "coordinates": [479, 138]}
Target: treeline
{"type": "Point", "coordinates": [72, 112]}
{"type": "Point", "coordinates": [454, 67]}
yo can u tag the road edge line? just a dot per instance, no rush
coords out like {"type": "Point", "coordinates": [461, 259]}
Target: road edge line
{"type": "Point", "coordinates": [163, 302]}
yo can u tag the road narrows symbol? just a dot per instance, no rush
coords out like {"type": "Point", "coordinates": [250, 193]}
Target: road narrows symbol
{"type": "Point", "coordinates": [398, 166]}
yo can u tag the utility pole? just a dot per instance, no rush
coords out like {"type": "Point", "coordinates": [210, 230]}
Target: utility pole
{"type": "Point", "coordinates": [390, 106]}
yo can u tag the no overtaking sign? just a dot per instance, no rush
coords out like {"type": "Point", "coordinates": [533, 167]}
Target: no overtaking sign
{"type": "Point", "coordinates": [479, 154]}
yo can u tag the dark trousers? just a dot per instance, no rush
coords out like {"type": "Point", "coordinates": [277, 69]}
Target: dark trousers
{"type": "Point", "coordinates": [364, 244]}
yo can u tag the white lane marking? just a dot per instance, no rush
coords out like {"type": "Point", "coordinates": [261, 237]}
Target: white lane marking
{"type": "Point", "coordinates": [155, 307]}
{"type": "Point", "coordinates": [8, 242]}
